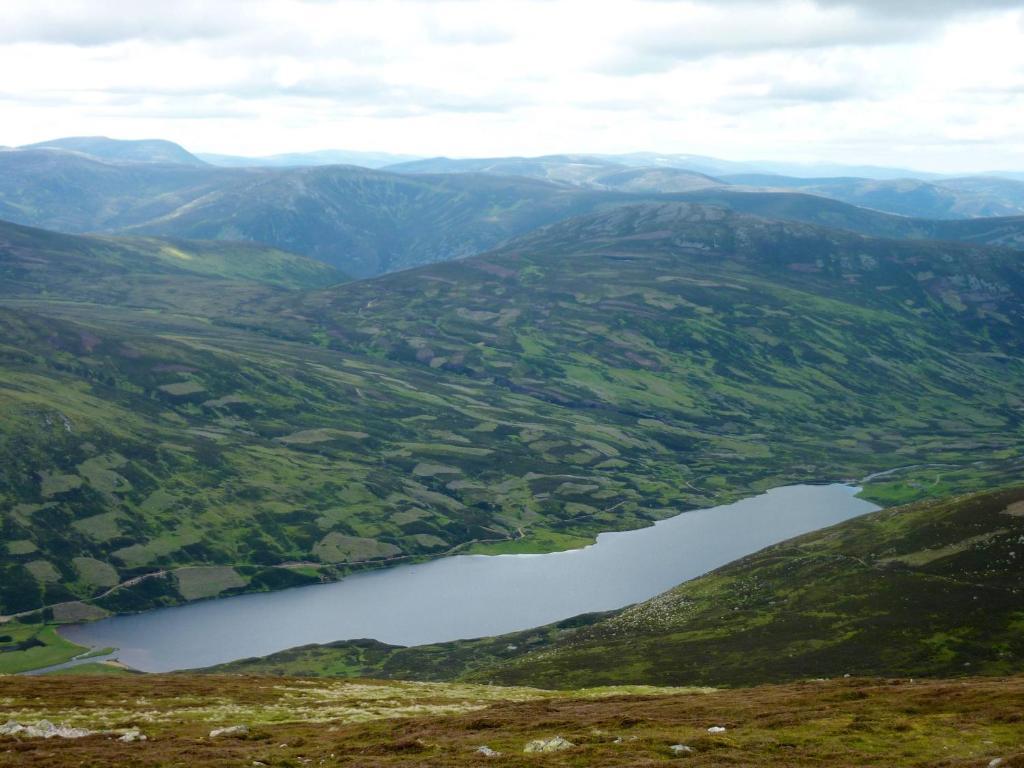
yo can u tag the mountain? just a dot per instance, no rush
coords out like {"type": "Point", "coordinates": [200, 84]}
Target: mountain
{"type": "Point", "coordinates": [937, 199]}
{"type": "Point", "coordinates": [1007, 231]}
{"type": "Point", "coordinates": [120, 150]}
{"type": "Point", "coordinates": [366, 222]}
{"type": "Point", "coordinates": [362, 221]}
{"type": "Point", "coordinates": [319, 157]}
{"type": "Point", "coordinates": [577, 170]}
{"type": "Point", "coordinates": [598, 374]}
{"type": "Point", "coordinates": [719, 167]}
{"type": "Point", "coordinates": [652, 174]}
{"type": "Point", "coordinates": [74, 192]}
{"type": "Point", "coordinates": [926, 590]}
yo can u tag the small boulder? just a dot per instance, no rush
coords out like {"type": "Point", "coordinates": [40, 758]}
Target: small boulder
{"type": "Point", "coordinates": [716, 729]}
{"type": "Point", "coordinates": [11, 727]}
{"type": "Point", "coordinates": [552, 744]}
{"type": "Point", "coordinates": [231, 730]}
{"type": "Point", "coordinates": [681, 749]}
{"type": "Point", "coordinates": [487, 751]}
{"type": "Point", "coordinates": [996, 762]}
{"type": "Point", "coordinates": [42, 729]}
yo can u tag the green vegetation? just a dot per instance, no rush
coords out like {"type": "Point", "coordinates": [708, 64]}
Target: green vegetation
{"type": "Point", "coordinates": [601, 374]}
{"type": "Point", "coordinates": [295, 722]}
{"type": "Point", "coordinates": [932, 589]}
{"type": "Point", "coordinates": [29, 646]}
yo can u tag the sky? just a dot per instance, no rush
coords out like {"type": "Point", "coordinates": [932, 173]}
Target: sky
{"type": "Point", "coordinates": [929, 84]}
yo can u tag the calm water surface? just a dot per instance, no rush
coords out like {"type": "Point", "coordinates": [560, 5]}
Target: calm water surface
{"type": "Point", "coordinates": [471, 595]}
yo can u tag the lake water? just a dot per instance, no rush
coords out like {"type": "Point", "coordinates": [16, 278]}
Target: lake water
{"type": "Point", "coordinates": [471, 595]}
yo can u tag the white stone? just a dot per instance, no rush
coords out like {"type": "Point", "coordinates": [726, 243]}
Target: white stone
{"type": "Point", "coordinates": [232, 730]}
{"type": "Point", "coordinates": [716, 729]}
{"type": "Point", "coordinates": [552, 744]}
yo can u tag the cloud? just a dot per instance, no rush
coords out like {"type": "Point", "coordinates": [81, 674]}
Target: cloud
{"type": "Point", "coordinates": [101, 22]}
{"type": "Point", "coordinates": [922, 9]}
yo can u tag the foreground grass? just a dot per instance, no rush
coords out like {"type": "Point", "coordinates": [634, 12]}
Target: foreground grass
{"type": "Point", "coordinates": [843, 722]}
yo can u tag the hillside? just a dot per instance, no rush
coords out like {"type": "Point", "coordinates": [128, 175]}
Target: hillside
{"type": "Point", "coordinates": [1007, 231]}
{"type": "Point", "coordinates": [36, 262]}
{"type": "Point", "coordinates": [361, 221]}
{"type": "Point", "coordinates": [600, 374]}
{"type": "Point", "coordinates": [932, 589]}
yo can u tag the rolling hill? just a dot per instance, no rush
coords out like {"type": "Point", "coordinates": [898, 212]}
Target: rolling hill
{"type": "Point", "coordinates": [598, 374]}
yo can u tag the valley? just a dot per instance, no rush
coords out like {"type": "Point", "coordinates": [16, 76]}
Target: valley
{"type": "Point", "coordinates": [533, 383]}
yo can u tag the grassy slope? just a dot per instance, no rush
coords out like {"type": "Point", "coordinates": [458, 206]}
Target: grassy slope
{"type": "Point", "coordinates": [599, 375]}
{"type": "Point", "coordinates": [930, 589]}
{"type": "Point", "coordinates": [836, 724]}
{"type": "Point", "coordinates": [36, 262]}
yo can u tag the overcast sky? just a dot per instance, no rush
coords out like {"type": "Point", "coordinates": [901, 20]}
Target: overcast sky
{"type": "Point", "coordinates": [929, 84]}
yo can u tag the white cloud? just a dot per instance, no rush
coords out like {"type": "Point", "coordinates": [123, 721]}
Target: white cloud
{"type": "Point", "coordinates": [907, 82]}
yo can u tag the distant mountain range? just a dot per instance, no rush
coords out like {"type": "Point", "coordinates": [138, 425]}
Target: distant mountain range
{"type": "Point", "coordinates": [365, 222]}
{"type": "Point", "coordinates": [319, 157]}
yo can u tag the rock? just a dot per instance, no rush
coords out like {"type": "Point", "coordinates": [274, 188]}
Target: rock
{"type": "Point", "coordinates": [487, 751]}
{"type": "Point", "coordinates": [232, 730]}
{"type": "Point", "coordinates": [996, 762]}
{"type": "Point", "coordinates": [43, 729]}
{"type": "Point", "coordinates": [716, 729]}
{"type": "Point", "coordinates": [133, 734]}
{"type": "Point", "coordinates": [552, 744]}
{"type": "Point", "coordinates": [681, 749]}
{"type": "Point", "coordinates": [10, 728]}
